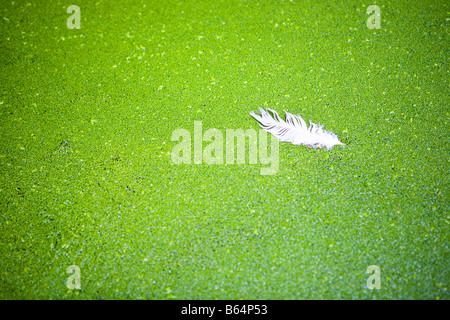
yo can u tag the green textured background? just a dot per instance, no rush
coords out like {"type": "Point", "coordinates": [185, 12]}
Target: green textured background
{"type": "Point", "coordinates": [86, 178]}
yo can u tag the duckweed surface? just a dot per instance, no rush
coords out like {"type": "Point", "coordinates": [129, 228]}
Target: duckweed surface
{"type": "Point", "coordinates": [87, 179]}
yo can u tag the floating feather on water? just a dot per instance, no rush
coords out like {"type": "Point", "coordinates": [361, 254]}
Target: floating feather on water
{"type": "Point", "coordinates": [295, 130]}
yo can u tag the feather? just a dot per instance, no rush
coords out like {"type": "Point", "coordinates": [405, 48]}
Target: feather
{"type": "Point", "coordinates": [295, 130]}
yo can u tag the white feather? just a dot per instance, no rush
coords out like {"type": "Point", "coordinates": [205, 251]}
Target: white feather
{"type": "Point", "coordinates": [295, 130]}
